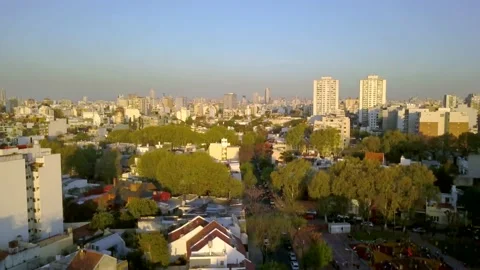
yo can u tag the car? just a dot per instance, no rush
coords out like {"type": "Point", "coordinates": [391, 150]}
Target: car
{"type": "Point", "coordinates": [294, 265]}
{"type": "Point", "coordinates": [293, 257]}
{"type": "Point", "coordinates": [419, 230]}
{"type": "Point", "coordinates": [367, 224]}
{"type": "Point", "coordinates": [311, 212]}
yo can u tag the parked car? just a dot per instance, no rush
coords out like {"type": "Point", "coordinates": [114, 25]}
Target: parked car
{"type": "Point", "coordinates": [293, 257]}
{"type": "Point", "coordinates": [311, 212]}
{"type": "Point", "coordinates": [367, 224]}
{"type": "Point", "coordinates": [294, 265]}
{"type": "Point", "coordinates": [419, 230]}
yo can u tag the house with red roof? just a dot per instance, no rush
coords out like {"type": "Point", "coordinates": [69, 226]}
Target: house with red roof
{"type": "Point", "coordinates": [208, 245]}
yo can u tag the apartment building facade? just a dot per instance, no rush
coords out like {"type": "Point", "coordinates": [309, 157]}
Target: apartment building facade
{"type": "Point", "coordinates": [31, 191]}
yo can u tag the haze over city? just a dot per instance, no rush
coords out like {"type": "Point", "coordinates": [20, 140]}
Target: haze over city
{"type": "Point", "coordinates": [64, 49]}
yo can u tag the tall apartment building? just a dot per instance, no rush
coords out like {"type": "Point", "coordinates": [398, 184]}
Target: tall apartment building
{"type": "Point", "coordinates": [338, 122]}
{"type": "Point", "coordinates": [180, 102]}
{"type": "Point", "coordinates": [3, 97]}
{"type": "Point", "coordinates": [373, 93]}
{"type": "Point", "coordinates": [230, 101]}
{"type": "Point", "coordinates": [472, 116]}
{"type": "Point", "coordinates": [267, 96]}
{"type": "Point", "coordinates": [255, 98]}
{"type": "Point", "coordinates": [325, 96]}
{"type": "Point", "coordinates": [450, 101]}
{"type": "Point", "coordinates": [30, 194]}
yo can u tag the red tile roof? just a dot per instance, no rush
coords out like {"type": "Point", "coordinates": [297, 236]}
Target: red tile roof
{"type": "Point", "coordinates": [85, 260]}
{"type": "Point", "coordinates": [186, 228]}
{"type": "Point", "coordinates": [380, 157]}
{"type": "Point", "coordinates": [249, 265]}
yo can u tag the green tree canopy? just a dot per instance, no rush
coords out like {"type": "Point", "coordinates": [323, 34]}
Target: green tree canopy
{"type": "Point", "coordinates": [291, 179]}
{"type": "Point", "coordinates": [139, 207]}
{"type": "Point", "coordinates": [155, 248]}
{"type": "Point", "coordinates": [102, 220]}
{"type": "Point", "coordinates": [108, 166]}
{"type": "Point", "coordinates": [326, 141]}
{"type": "Point", "coordinates": [371, 144]}
{"type": "Point", "coordinates": [296, 136]}
{"type": "Point", "coordinates": [317, 256]}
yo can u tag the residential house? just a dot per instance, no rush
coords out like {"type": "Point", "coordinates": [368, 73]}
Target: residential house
{"type": "Point", "coordinates": [86, 259]}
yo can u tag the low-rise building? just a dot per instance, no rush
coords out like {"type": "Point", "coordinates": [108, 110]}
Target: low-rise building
{"type": "Point", "coordinates": [340, 123]}
{"type": "Point", "coordinates": [223, 151]}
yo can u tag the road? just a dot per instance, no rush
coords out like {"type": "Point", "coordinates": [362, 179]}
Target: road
{"type": "Point", "coordinates": [417, 239]}
{"type": "Point", "coordinates": [338, 244]}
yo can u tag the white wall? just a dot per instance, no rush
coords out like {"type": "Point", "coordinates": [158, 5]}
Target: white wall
{"type": "Point", "coordinates": [51, 202]}
{"type": "Point", "coordinates": [233, 255]}
{"type": "Point", "coordinates": [13, 201]}
{"type": "Point", "coordinates": [179, 247]}
{"type": "Point", "coordinates": [57, 127]}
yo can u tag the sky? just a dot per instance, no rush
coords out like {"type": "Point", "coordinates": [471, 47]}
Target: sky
{"type": "Point", "coordinates": [100, 49]}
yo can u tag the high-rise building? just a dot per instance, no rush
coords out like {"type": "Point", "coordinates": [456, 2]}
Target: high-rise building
{"type": "Point", "coordinates": [230, 101]}
{"type": "Point", "coordinates": [3, 97]}
{"type": "Point", "coordinates": [325, 96]}
{"type": "Point", "coordinates": [152, 93]}
{"type": "Point", "coordinates": [31, 193]}
{"type": "Point", "coordinates": [12, 103]}
{"type": "Point", "coordinates": [450, 101]}
{"type": "Point", "coordinates": [256, 98]}
{"type": "Point", "coordinates": [438, 123]}
{"type": "Point", "coordinates": [267, 96]}
{"type": "Point", "coordinates": [180, 102]}
{"type": "Point", "coordinates": [373, 92]}
{"type": "Point", "coordinates": [244, 100]}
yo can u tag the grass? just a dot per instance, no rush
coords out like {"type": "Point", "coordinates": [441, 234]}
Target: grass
{"type": "Point", "coordinates": [374, 235]}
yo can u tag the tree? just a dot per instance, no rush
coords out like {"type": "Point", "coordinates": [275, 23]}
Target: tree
{"type": "Point", "coordinates": [253, 200]}
{"type": "Point", "coordinates": [84, 161]}
{"type": "Point", "coordinates": [317, 256]}
{"type": "Point", "coordinates": [371, 144]}
{"type": "Point", "coordinates": [108, 166]}
{"type": "Point", "coordinates": [81, 136]}
{"type": "Point", "coordinates": [291, 179]}
{"type": "Point", "coordinates": [326, 141]}
{"type": "Point", "coordinates": [273, 266]}
{"type": "Point", "coordinates": [471, 200]}
{"type": "Point", "coordinates": [296, 136]}
{"type": "Point", "coordinates": [246, 153]}
{"type": "Point", "coordinates": [266, 231]}
{"type": "Point", "coordinates": [58, 113]}
{"type": "Point", "coordinates": [265, 176]}
{"type": "Point", "coordinates": [248, 176]}
{"type": "Point", "coordinates": [102, 220]}
{"type": "Point", "coordinates": [138, 207]}
{"type": "Point", "coordinates": [147, 164]}
{"type": "Point", "coordinates": [287, 156]}
{"type": "Point", "coordinates": [468, 143]}
{"type": "Point", "coordinates": [319, 188]}
{"type": "Point", "coordinates": [155, 248]}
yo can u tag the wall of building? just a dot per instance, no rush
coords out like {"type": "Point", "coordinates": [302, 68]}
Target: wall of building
{"type": "Point", "coordinates": [233, 256]}
{"type": "Point", "coordinates": [179, 247]}
{"type": "Point", "coordinates": [13, 200]}
{"type": "Point", "coordinates": [50, 194]}
{"type": "Point", "coordinates": [233, 152]}
{"type": "Point", "coordinates": [57, 127]}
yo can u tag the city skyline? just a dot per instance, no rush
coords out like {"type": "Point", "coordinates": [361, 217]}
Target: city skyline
{"type": "Point", "coordinates": [70, 50]}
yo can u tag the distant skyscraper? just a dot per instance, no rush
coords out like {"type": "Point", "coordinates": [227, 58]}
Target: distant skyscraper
{"type": "Point", "coordinates": [85, 99]}
{"type": "Point", "coordinates": [152, 93]}
{"type": "Point", "coordinates": [450, 101]}
{"type": "Point", "coordinates": [3, 97]}
{"type": "Point", "coordinates": [180, 102]}
{"type": "Point", "coordinates": [230, 101]}
{"type": "Point", "coordinates": [255, 99]}
{"type": "Point", "coordinates": [244, 100]}
{"type": "Point", "coordinates": [325, 96]}
{"type": "Point", "coordinates": [373, 93]}
{"type": "Point", "coordinates": [267, 95]}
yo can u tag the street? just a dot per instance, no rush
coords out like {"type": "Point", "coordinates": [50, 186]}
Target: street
{"type": "Point", "coordinates": [340, 253]}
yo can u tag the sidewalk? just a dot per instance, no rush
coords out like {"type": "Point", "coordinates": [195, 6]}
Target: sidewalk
{"type": "Point", "coordinates": [417, 239]}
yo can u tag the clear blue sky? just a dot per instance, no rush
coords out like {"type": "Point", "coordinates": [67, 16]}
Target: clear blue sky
{"type": "Point", "coordinates": [209, 47]}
